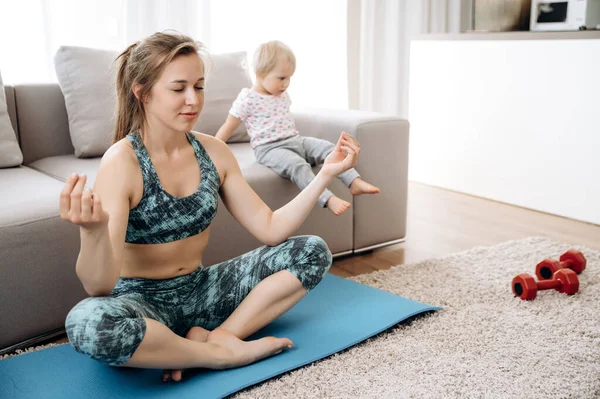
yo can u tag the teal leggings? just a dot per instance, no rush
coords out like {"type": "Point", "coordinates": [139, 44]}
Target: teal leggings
{"type": "Point", "coordinates": [111, 328]}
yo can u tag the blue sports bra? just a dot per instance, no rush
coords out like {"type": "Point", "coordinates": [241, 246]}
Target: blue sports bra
{"type": "Point", "coordinates": [160, 217]}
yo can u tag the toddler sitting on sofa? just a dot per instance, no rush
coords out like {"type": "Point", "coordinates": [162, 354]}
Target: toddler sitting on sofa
{"type": "Point", "coordinates": [265, 110]}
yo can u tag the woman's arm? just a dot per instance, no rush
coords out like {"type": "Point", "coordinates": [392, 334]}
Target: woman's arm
{"type": "Point", "coordinates": [270, 227]}
{"type": "Point", "coordinates": [102, 215]}
{"type": "Point", "coordinates": [231, 123]}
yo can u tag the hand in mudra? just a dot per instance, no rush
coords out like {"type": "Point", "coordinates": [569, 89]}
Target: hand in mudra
{"type": "Point", "coordinates": [343, 157]}
{"type": "Point", "coordinates": [80, 205]}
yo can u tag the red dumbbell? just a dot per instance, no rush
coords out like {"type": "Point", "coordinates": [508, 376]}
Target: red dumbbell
{"type": "Point", "coordinates": [564, 280]}
{"type": "Point", "coordinates": [571, 259]}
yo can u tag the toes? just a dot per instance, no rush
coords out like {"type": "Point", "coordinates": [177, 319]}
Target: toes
{"type": "Point", "coordinates": [176, 375]}
{"type": "Point", "coordinates": [171, 375]}
{"type": "Point", "coordinates": [282, 343]}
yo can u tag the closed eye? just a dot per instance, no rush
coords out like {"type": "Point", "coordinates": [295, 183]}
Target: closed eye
{"type": "Point", "coordinates": [195, 88]}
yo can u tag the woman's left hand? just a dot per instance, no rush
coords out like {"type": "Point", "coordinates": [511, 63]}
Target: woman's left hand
{"type": "Point", "coordinates": [343, 157]}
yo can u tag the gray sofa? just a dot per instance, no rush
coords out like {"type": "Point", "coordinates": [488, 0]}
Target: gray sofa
{"type": "Point", "coordinates": [38, 250]}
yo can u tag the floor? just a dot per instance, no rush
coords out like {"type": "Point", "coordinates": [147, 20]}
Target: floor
{"type": "Point", "coordinates": [441, 222]}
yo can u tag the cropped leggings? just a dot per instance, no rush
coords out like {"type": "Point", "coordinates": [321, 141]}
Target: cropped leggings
{"type": "Point", "coordinates": [110, 329]}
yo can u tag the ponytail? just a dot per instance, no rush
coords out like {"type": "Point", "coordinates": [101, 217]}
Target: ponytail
{"type": "Point", "coordinates": [129, 110]}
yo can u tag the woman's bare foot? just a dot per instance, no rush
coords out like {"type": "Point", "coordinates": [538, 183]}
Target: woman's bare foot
{"type": "Point", "coordinates": [240, 353]}
{"type": "Point", "coordinates": [236, 351]}
{"type": "Point", "coordinates": [196, 334]}
{"type": "Point", "coordinates": [337, 205]}
{"type": "Point", "coordinates": [359, 186]}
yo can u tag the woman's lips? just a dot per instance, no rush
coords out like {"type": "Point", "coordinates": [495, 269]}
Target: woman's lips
{"type": "Point", "coordinates": [189, 115]}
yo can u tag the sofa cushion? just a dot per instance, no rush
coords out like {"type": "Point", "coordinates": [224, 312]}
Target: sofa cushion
{"type": "Point", "coordinates": [27, 196]}
{"type": "Point", "coordinates": [87, 78]}
{"type": "Point", "coordinates": [43, 122]}
{"type": "Point", "coordinates": [10, 153]}
{"type": "Point", "coordinates": [225, 78]}
{"type": "Point", "coordinates": [62, 166]}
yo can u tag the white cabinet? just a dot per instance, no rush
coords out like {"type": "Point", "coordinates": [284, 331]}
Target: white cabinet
{"type": "Point", "coordinates": [513, 120]}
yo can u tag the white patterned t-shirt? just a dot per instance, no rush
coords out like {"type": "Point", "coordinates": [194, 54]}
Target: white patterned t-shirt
{"type": "Point", "coordinates": [267, 117]}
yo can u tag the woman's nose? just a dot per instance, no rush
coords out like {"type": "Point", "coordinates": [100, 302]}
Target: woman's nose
{"type": "Point", "coordinates": [191, 98]}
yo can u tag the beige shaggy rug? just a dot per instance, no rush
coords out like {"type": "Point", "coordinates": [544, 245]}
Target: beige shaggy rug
{"type": "Point", "coordinates": [484, 344]}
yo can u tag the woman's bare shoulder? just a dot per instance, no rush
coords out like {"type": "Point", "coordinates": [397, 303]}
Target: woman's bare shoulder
{"type": "Point", "coordinates": [219, 152]}
{"type": "Point", "coordinates": [217, 149]}
{"type": "Point", "coordinates": [120, 153]}
{"type": "Point", "coordinates": [205, 139]}
{"type": "Point", "coordinates": [119, 163]}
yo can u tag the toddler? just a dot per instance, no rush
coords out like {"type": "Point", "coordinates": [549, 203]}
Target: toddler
{"type": "Point", "coordinates": [265, 110]}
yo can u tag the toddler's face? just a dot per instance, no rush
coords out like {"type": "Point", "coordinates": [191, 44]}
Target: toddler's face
{"type": "Point", "coordinates": [278, 80]}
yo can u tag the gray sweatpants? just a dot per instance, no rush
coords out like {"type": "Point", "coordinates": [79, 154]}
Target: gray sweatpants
{"type": "Point", "coordinates": [294, 157]}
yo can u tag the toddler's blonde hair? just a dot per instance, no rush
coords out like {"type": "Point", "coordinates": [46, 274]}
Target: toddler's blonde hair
{"type": "Point", "coordinates": [267, 55]}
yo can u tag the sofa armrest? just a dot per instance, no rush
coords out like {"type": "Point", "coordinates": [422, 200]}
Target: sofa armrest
{"type": "Point", "coordinates": [378, 219]}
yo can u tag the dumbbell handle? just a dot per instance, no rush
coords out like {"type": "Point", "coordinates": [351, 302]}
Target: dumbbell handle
{"type": "Point", "coordinates": [548, 284]}
{"type": "Point", "coordinates": [566, 264]}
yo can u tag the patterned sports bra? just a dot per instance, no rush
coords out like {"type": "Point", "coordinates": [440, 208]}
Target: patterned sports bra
{"type": "Point", "coordinates": [160, 217]}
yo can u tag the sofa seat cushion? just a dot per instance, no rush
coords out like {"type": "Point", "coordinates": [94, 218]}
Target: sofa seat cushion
{"type": "Point", "coordinates": [62, 166]}
{"type": "Point", "coordinates": [27, 196]}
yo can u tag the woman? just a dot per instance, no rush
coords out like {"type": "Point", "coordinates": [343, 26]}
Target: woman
{"type": "Point", "coordinates": [146, 223]}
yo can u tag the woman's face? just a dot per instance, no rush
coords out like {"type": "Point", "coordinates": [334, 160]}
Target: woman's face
{"type": "Point", "coordinates": [176, 99]}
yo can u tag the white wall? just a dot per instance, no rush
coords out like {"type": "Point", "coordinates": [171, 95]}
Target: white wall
{"type": "Point", "coordinates": [516, 121]}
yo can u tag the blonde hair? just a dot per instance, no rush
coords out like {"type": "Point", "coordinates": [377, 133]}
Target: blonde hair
{"type": "Point", "coordinates": [142, 63]}
{"type": "Point", "coordinates": [268, 54]}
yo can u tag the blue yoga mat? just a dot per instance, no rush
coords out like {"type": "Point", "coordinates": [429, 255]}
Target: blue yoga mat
{"type": "Point", "coordinates": [337, 314]}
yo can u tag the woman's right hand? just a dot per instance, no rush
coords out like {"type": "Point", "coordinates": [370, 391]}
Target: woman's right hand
{"type": "Point", "coordinates": [80, 205]}
{"type": "Point", "coordinates": [343, 157]}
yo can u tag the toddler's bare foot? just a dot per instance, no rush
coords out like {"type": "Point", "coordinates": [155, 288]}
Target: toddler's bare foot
{"type": "Point", "coordinates": [337, 205]}
{"type": "Point", "coordinates": [196, 334]}
{"type": "Point", "coordinates": [359, 186]}
{"type": "Point", "coordinates": [240, 353]}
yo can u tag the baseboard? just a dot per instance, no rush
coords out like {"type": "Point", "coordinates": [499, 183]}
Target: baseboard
{"type": "Point", "coordinates": [40, 339]}
{"type": "Point", "coordinates": [384, 244]}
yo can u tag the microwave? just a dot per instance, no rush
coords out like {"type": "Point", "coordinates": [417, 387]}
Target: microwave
{"type": "Point", "coordinates": [548, 15]}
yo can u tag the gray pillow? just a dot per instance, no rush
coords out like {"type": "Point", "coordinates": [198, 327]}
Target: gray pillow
{"type": "Point", "coordinates": [87, 77]}
{"type": "Point", "coordinates": [226, 77]}
{"type": "Point", "coordinates": [10, 152]}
